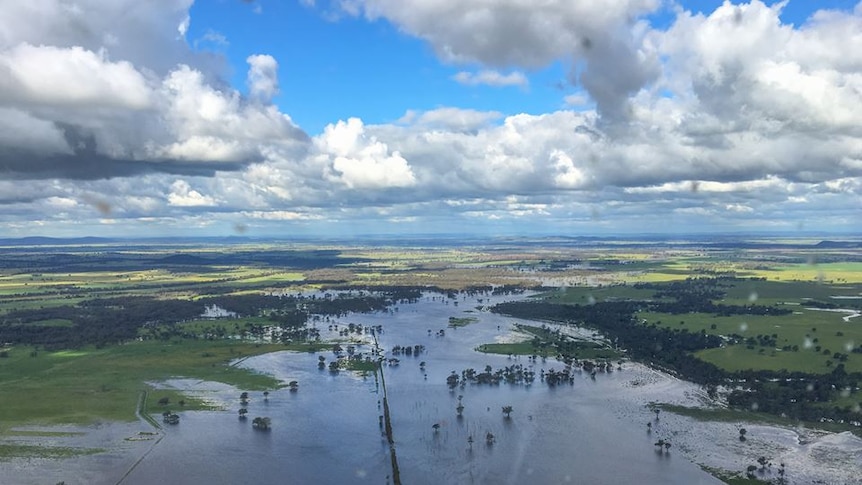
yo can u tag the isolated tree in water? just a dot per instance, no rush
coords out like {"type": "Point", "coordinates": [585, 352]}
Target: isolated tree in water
{"type": "Point", "coordinates": [260, 423]}
{"type": "Point", "coordinates": [507, 410]}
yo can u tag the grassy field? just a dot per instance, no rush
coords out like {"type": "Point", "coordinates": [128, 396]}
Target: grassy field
{"type": "Point", "coordinates": [83, 386]}
{"type": "Point", "coordinates": [813, 335]}
{"type": "Point", "coordinates": [17, 450]}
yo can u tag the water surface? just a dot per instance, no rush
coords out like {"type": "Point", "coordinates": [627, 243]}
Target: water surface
{"type": "Point", "coordinates": [328, 431]}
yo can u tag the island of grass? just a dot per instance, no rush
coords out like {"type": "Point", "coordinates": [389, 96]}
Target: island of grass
{"type": "Point", "coordinates": [9, 450]}
{"type": "Point", "coordinates": [546, 342]}
{"type": "Point", "coordinates": [455, 322]}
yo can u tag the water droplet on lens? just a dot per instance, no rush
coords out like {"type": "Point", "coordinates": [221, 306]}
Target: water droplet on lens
{"type": "Point", "coordinates": [752, 297]}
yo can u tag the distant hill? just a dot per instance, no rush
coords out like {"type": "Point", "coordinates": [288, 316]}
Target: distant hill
{"type": "Point", "coordinates": [54, 241]}
{"type": "Point", "coordinates": [839, 244]}
{"type": "Point", "coordinates": [184, 260]}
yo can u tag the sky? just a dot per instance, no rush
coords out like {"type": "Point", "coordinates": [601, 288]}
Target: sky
{"type": "Point", "coordinates": [122, 118]}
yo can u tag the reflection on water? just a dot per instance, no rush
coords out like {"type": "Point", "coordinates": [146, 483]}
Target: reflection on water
{"type": "Point", "coordinates": [329, 431]}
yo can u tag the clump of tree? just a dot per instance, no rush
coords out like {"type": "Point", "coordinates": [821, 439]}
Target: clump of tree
{"type": "Point", "coordinates": [170, 418]}
{"type": "Point", "coordinates": [663, 445]}
{"type": "Point", "coordinates": [261, 423]}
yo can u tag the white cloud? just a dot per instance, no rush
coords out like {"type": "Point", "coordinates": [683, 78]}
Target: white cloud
{"type": "Point", "coordinates": [213, 37]}
{"type": "Point", "coordinates": [47, 75]}
{"type": "Point", "coordinates": [361, 162]}
{"type": "Point", "coordinates": [182, 195]}
{"type": "Point", "coordinates": [491, 78]}
{"type": "Point", "coordinates": [576, 99]}
{"type": "Point", "coordinates": [568, 175]}
{"type": "Point", "coordinates": [262, 77]}
{"type": "Point", "coordinates": [280, 215]}
{"type": "Point", "coordinates": [738, 208]}
{"type": "Point", "coordinates": [93, 25]}
{"type": "Point", "coordinates": [451, 119]}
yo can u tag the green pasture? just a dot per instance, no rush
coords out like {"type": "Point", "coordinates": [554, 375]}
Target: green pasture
{"type": "Point", "coordinates": [515, 348]}
{"type": "Point", "coordinates": [94, 282]}
{"type": "Point", "coordinates": [19, 450]}
{"type": "Point", "coordinates": [772, 292]}
{"type": "Point", "coordinates": [807, 329]}
{"type": "Point", "coordinates": [586, 295]}
{"type": "Point", "coordinates": [83, 386]}
{"type": "Point", "coordinates": [834, 273]}
{"type": "Point", "coordinates": [226, 326]}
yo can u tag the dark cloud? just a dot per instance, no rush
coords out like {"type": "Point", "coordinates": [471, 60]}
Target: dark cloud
{"type": "Point", "coordinates": [19, 165]}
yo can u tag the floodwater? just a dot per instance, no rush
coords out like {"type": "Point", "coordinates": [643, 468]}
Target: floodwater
{"type": "Point", "coordinates": [591, 432]}
{"type": "Point", "coordinates": [329, 430]}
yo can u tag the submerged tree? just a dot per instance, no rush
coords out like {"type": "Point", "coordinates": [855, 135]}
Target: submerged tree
{"type": "Point", "coordinates": [261, 423]}
{"type": "Point", "coordinates": [507, 410]}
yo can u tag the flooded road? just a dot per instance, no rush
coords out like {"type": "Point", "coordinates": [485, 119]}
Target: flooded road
{"type": "Point", "coordinates": [329, 430]}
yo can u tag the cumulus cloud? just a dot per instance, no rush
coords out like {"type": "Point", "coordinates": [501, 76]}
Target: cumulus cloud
{"type": "Point", "coordinates": [82, 97]}
{"type": "Point", "coordinates": [117, 26]}
{"type": "Point", "coordinates": [182, 195]}
{"type": "Point", "coordinates": [51, 76]}
{"type": "Point", "coordinates": [362, 162]}
{"type": "Point", "coordinates": [262, 77]}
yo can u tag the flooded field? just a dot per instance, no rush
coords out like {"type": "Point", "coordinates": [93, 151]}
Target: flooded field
{"type": "Point", "coordinates": [329, 430]}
